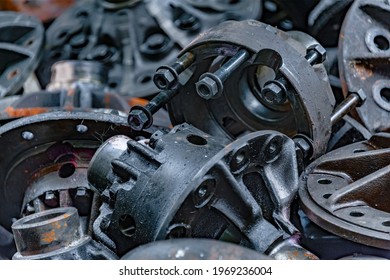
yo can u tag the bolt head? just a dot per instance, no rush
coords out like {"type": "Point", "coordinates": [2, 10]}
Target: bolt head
{"type": "Point", "coordinates": [321, 52]}
{"type": "Point", "coordinates": [207, 88]}
{"type": "Point", "coordinates": [164, 79]}
{"type": "Point", "coordinates": [274, 93]}
{"type": "Point", "coordinates": [138, 119]}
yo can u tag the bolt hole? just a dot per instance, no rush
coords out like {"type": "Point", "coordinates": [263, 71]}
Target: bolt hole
{"type": "Point", "coordinates": [13, 74]}
{"type": "Point", "coordinates": [327, 195]}
{"type": "Point", "coordinates": [356, 214]}
{"type": "Point", "coordinates": [386, 224]}
{"type": "Point", "coordinates": [145, 79]}
{"type": "Point", "coordinates": [127, 225]}
{"type": "Point", "coordinates": [196, 140]}
{"type": "Point", "coordinates": [385, 94]}
{"type": "Point", "coordinates": [324, 181]}
{"type": "Point", "coordinates": [358, 151]}
{"type": "Point", "coordinates": [381, 42]}
{"type": "Point", "coordinates": [66, 170]}
{"type": "Point", "coordinates": [29, 43]}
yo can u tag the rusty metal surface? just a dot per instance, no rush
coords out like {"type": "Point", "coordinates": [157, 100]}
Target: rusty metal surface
{"type": "Point", "coordinates": [346, 192]}
{"type": "Point", "coordinates": [192, 249]}
{"type": "Point", "coordinates": [365, 59]}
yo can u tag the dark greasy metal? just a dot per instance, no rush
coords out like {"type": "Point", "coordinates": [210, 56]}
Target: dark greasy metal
{"type": "Point", "coordinates": [75, 86]}
{"type": "Point", "coordinates": [192, 249]}
{"type": "Point", "coordinates": [347, 131]}
{"type": "Point", "coordinates": [51, 152]}
{"type": "Point", "coordinates": [346, 192]}
{"type": "Point", "coordinates": [243, 106]}
{"type": "Point", "coordinates": [132, 38]}
{"type": "Point", "coordinates": [21, 43]}
{"type": "Point", "coordinates": [7, 244]}
{"type": "Point", "coordinates": [188, 184]}
{"type": "Point", "coordinates": [55, 234]}
{"type": "Point", "coordinates": [325, 20]}
{"type": "Point", "coordinates": [364, 60]}
{"type": "Point", "coordinates": [210, 85]}
{"type": "Point", "coordinates": [142, 117]}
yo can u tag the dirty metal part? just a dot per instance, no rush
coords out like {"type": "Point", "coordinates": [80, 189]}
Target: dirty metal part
{"type": "Point", "coordinates": [290, 249]}
{"type": "Point", "coordinates": [347, 131]}
{"type": "Point", "coordinates": [45, 10]}
{"type": "Point", "coordinates": [131, 38]}
{"type": "Point", "coordinates": [246, 186]}
{"type": "Point", "coordinates": [352, 101]}
{"type": "Point", "coordinates": [346, 192]}
{"type": "Point", "coordinates": [141, 117]}
{"type": "Point", "coordinates": [75, 85]}
{"type": "Point", "coordinates": [288, 15]}
{"type": "Point", "coordinates": [50, 153]}
{"type": "Point", "coordinates": [325, 20]}
{"type": "Point", "coordinates": [55, 234]}
{"type": "Point", "coordinates": [364, 60]}
{"type": "Point", "coordinates": [292, 61]}
{"type": "Point", "coordinates": [192, 249]}
{"type": "Point", "coordinates": [328, 246]}
{"type": "Point", "coordinates": [21, 44]}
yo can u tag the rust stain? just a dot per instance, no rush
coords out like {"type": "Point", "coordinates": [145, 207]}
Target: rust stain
{"type": "Point", "coordinates": [137, 102]}
{"type": "Point", "coordinates": [364, 71]}
{"type": "Point", "coordinates": [49, 237]}
{"type": "Point", "coordinates": [24, 112]}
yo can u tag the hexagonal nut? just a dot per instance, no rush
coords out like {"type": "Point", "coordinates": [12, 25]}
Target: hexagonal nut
{"type": "Point", "coordinates": [274, 93]}
{"type": "Point", "coordinates": [164, 79]}
{"type": "Point", "coordinates": [362, 96]}
{"type": "Point", "coordinates": [137, 120]}
{"type": "Point", "coordinates": [207, 88]}
{"type": "Point", "coordinates": [321, 52]}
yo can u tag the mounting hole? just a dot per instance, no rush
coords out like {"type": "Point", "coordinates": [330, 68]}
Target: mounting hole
{"type": "Point", "coordinates": [127, 225]}
{"type": "Point", "coordinates": [358, 151]}
{"type": "Point", "coordinates": [29, 43]}
{"type": "Point", "coordinates": [386, 224]}
{"type": "Point", "coordinates": [66, 170]}
{"type": "Point", "coordinates": [327, 195]}
{"type": "Point", "coordinates": [324, 181]}
{"type": "Point", "coordinates": [196, 140]}
{"type": "Point", "coordinates": [356, 214]}
{"type": "Point", "coordinates": [12, 74]}
{"type": "Point", "coordinates": [145, 79]}
{"type": "Point", "coordinates": [385, 94]}
{"type": "Point", "coordinates": [381, 42]}
{"type": "Point", "coordinates": [113, 84]}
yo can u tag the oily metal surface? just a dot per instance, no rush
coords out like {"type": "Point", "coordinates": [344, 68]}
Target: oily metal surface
{"type": "Point", "coordinates": [192, 249]}
{"type": "Point", "coordinates": [346, 192]}
{"type": "Point", "coordinates": [364, 60]}
{"type": "Point", "coordinates": [240, 107]}
{"type": "Point", "coordinates": [51, 150]}
{"type": "Point", "coordinates": [21, 44]}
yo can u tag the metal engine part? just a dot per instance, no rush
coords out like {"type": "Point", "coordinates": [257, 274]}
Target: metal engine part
{"type": "Point", "coordinates": [133, 38]}
{"type": "Point", "coordinates": [364, 60]}
{"type": "Point", "coordinates": [21, 44]}
{"type": "Point", "coordinates": [55, 235]}
{"type": "Point", "coordinates": [45, 163]}
{"type": "Point", "coordinates": [346, 192]}
{"type": "Point", "coordinates": [75, 85]}
{"type": "Point", "coordinates": [264, 79]}
{"type": "Point", "coordinates": [243, 190]}
{"type": "Point", "coordinates": [192, 249]}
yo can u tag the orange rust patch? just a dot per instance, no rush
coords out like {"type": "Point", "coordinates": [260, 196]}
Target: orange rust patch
{"type": "Point", "coordinates": [364, 71]}
{"type": "Point", "coordinates": [24, 112]}
{"type": "Point", "coordinates": [137, 102]}
{"type": "Point", "coordinates": [49, 237]}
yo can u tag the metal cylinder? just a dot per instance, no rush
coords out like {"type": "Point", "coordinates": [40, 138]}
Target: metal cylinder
{"type": "Point", "coordinates": [47, 231]}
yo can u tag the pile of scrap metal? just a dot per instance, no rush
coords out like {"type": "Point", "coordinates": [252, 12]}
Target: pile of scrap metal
{"type": "Point", "coordinates": [222, 129]}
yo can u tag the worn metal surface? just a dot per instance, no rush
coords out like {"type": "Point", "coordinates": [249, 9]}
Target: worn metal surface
{"type": "Point", "coordinates": [132, 38]}
{"type": "Point", "coordinates": [241, 108]}
{"type": "Point", "coordinates": [21, 43]}
{"type": "Point", "coordinates": [346, 192]}
{"type": "Point", "coordinates": [245, 188]}
{"type": "Point", "coordinates": [192, 249]}
{"type": "Point", "coordinates": [55, 234]}
{"type": "Point", "coordinates": [364, 60]}
{"type": "Point", "coordinates": [50, 152]}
